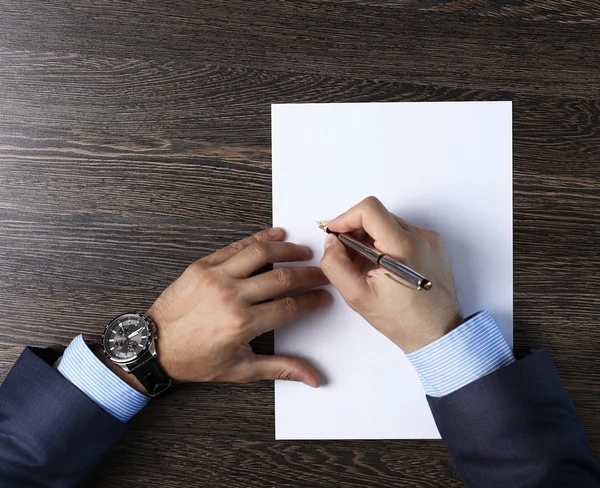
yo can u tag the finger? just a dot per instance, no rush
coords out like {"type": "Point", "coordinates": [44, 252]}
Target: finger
{"type": "Point", "coordinates": [222, 255]}
{"type": "Point", "coordinates": [284, 368]}
{"type": "Point", "coordinates": [259, 254]}
{"type": "Point", "coordinates": [270, 315]}
{"type": "Point", "coordinates": [281, 281]}
{"type": "Point", "coordinates": [375, 219]}
{"type": "Point", "coordinates": [344, 273]}
{"type": "Point", "coordinates": [359, 235]}
{"type": "Point", "coordinates": [361, 263]}
{"type": "Point", "coordinates": [362, 236]}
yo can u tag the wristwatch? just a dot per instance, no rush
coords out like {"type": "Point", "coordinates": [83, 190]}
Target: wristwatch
{"type": "Point", "coordinates": [129, 341]}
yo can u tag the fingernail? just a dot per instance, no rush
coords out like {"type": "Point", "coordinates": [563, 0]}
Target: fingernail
{"type": "Point", "coordinates": [274, 231]}
{"type": "Point", "coordinates": [305, 252]}
{"type": "Point", "coordinates": [329, 240]}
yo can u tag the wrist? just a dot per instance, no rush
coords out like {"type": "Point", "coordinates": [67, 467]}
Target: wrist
{"type": "Point", "coordinates": [129, 344]}
{"type": "Point", "coordinates": [433, 331]}
{"type": "Point", "coordinates": [128, 378]}
{"type": "Point", "coordinates": [162, 345]}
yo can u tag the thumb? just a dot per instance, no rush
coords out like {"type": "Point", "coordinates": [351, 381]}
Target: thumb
{"type": "Point", "coordinates": [343, 273]}
{"type": "Point", "coordinates": [273, 367]}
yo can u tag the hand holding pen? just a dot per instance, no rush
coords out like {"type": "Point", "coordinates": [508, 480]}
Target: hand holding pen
{"type": "Point", "coordinates": [397, 269]}
{"type": "Point", "coordinates": [410, 318]}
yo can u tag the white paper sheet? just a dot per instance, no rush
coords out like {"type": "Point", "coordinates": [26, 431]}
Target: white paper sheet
{"type": "Point", "coordinates": [442, 166]}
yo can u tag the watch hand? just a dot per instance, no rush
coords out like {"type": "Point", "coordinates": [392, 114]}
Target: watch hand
{"type": "Point", "coordinates": [134, 333]}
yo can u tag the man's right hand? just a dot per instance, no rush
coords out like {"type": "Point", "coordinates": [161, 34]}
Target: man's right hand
{"type": "Point", "coordinates": [410, 318]}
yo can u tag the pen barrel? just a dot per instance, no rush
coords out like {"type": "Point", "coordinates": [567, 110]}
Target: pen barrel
{"type": "Point", "coordinates": [404, 272]}
{"type": "Point", "coordinates": [361, 248]}
{"type": "Point", "coordinates": [394, 267]}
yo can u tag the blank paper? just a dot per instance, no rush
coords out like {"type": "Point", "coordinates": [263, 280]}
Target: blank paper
{"type": "Point", "coordinates": [442, 166]}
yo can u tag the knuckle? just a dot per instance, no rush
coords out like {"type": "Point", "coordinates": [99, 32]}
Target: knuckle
{"type": "Point", "coordinates": [236, 247]}
{"type": "Point", "coordinates": [225, 294]}
{"type": "Point", "coordinates": [290, 306]}
{"type": "Point", "coordinates": [259, 251]}
{"type": "Point", "coordinates": [196, 268]}
{"type": "Point", "coordinates": [353, 299]}
{"type": "Point", "coordinates": [285, 374]}
{"type": "Point", "coordinates": [260, 236]}
{"type": "Point", "coordinates": [200, 275]}
{"type": "Point", "coordinates": [239, 320]}
{"type": "Point", "coordinates": [372, 202]}
{"type": "Point", "coordinates": [208, 278]}
{"type": "Point", "coordinates": [284, 277]}
{"type": "Point", "coordinates": [436, 236]}
{"type": "Point", "coordinates": [245, 376]}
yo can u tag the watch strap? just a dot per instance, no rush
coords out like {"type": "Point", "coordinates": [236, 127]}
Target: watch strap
{"type": "Point", "coordinates": [152, 377]}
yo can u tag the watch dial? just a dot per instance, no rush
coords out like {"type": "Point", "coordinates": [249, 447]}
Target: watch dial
{"type": "Point", "coordinates": [126, 337]}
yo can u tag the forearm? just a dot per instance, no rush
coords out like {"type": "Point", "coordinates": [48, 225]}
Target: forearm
{"type": "Point", "coordinates": [505, 423]}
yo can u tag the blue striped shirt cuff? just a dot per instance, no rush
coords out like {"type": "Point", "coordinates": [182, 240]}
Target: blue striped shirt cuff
{"type": "Point", "coordinates": [469, 352]}
{"type": "Point", "coordinates": [82, 368]}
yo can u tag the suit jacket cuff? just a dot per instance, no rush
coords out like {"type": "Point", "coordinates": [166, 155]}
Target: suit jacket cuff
{"type": "Point", "coordinates": [51, 434]}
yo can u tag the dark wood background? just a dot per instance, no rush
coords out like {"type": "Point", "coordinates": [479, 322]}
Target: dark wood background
{"type": "Point", "coordinates": [135, 137]}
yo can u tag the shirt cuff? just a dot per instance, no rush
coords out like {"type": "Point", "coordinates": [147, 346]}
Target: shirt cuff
{"type": "Point", "coordinates": [82, 368]}
{"type": "Point", "coordinates": [471, 351]}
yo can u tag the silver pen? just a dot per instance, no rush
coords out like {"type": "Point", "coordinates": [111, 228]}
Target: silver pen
{"type": "Point", "coordinates": [396, 268]}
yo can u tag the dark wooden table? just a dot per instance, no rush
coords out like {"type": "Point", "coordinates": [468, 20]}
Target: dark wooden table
{"type": "Point", "coordinates": [135, 137]}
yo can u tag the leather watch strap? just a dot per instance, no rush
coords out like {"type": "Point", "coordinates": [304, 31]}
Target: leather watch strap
{"type": "Point", "coordinates": [152, 377]}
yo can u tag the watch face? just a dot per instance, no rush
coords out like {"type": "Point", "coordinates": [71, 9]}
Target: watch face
{"type": "Point", "coordinates": [126, 337]}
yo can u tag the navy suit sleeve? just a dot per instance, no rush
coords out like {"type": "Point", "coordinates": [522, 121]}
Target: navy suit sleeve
{"type": "Point", "coordinates": [51, 434]}
{"type": "Point", "coordinates": [516, 427]}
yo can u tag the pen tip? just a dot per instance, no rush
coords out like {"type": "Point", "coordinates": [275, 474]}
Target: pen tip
{"type": "Point", "coordinates": [322, 225]}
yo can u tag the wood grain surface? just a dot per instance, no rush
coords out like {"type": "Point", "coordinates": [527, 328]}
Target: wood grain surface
{"type": "Point", "coordinates": [135, 137]}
